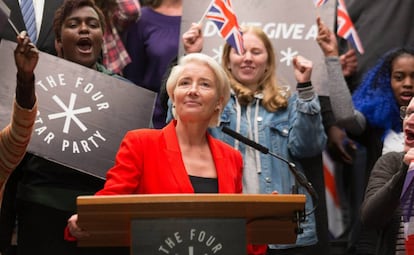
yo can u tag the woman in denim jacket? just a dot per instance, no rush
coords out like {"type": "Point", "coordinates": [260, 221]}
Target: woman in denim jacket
{"type": "Point", "coordinates": [288, 125]}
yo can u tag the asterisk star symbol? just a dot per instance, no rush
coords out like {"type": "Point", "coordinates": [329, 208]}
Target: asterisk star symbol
{"type": "Point", "coordinates": [69, 113]}
{"type": "Point", "coordinates": [288, 56]}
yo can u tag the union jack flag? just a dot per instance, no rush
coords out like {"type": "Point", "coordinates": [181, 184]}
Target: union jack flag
{"type": "Point", "coordinates": [333, 204]}
{"type": "Point", "coordinates": [222, 14]}
{"type": "Point", "coordinates": [319, 3]}
{"type": "Point", "coordinates": [346, 27]}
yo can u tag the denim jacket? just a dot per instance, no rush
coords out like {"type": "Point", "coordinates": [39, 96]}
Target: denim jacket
{"type": "Point", "coordinates": [294, 132]}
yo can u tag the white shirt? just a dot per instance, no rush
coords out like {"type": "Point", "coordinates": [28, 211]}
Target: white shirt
{"type": "Point", "coordinates": [393, 142]}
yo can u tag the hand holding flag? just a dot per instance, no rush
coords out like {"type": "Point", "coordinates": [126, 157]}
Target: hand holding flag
{"type": "Point", "coordinates": [222, 14]}
{"type": "Point", "coordinates": [326, 39]}
{"type": "Point", "coordinates": [193, 39]}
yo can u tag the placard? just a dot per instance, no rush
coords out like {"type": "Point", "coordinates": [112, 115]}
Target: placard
{"type": "Point", "coordinates": [290, 25]}
{"type": "Point", "coordinates": [82, 114]}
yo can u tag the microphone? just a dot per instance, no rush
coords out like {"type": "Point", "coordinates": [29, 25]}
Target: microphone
{"type": "Point", "coordinates": [299, 176]}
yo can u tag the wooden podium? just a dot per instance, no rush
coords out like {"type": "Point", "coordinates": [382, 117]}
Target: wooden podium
{"type": "Point", "coordinates": [265, 218]}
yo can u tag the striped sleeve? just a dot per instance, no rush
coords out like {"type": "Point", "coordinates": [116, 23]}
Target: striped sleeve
{"type": "Point", "coordinates": [15, 138]}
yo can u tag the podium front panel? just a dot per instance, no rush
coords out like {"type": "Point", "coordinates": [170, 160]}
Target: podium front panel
{"type": "Point", "coordinates": [188, 236]}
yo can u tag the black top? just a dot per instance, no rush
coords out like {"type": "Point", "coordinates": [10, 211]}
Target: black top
{"type": "Point", "coordinates": [204, 185]}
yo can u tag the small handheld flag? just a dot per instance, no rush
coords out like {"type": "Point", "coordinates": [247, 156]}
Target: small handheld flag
{"type": "Point", "coordinates": [319, 3]}
{"type": "Point", "coordinates": [222, 14]}
{"type": "Point", "coordinates": [346, 27]}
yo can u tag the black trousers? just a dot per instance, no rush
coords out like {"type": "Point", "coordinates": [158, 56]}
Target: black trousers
{"type": "Point", "coordinates": [8, 213]}
{"type": "Point", "coordinates": [40, 231]}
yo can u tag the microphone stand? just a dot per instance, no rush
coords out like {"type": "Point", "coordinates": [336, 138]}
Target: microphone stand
{"type": "Point", "coordinates": [300, 178]}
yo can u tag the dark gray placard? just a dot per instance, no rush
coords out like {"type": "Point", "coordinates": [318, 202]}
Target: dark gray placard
{"type": "Point", "coordinates": [82, 114]}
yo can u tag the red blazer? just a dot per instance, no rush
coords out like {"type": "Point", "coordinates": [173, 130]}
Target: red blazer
{"type": "Point", "coordinates": [149, 162]}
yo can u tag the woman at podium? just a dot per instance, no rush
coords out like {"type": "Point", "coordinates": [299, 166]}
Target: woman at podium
{"type": "Point", "coordinates": [182, 157]}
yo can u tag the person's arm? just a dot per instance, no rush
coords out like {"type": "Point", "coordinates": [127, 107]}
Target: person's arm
{"type": "Point", "coordinates": [343, 108]}
{"type": "Point", "coordinates": [193, 39]}
{"type": "Point", "coordinates": [72, 231]}
{"type": "Point", "coordinates": [306, 136]}
{"type": "Point", "coordinates": [122, 179]}
{"type": "Point", "coordinates": [26, 57]}
{"type": "Point", "coordinates": [382, 196]}
{"type": "Point", "coordinates": [135, 45]}
{"type": "Point", "coordinates": [15, 138]}
{"type": "Point", "coordinates": [303, 70]}
{"type": "Point", "coordinates": [340, 146]}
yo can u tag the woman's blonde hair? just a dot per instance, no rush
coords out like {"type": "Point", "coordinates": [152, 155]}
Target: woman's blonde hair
{"type": "Point", "coordinates": [223, 84]}
{"type": "Point", "coordinates": [274, 96]}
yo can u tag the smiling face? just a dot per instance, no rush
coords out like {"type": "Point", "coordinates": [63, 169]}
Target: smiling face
{"type": "Point", "coordinates": [249, 68]}
{"type": "Point", "coordinates": [81, 37]}
{"type": "Point", "coordinates": [402, 78]}
{"type": "Point", "coordinates": [195, 95]}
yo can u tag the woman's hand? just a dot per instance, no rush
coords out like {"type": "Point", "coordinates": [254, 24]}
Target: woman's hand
{"type": "Point", "coordinates": [326, 39]}
{"type": "Point", "coordinates": [26, 57]}
{"type": "Point", "coordinates": [74, 229]}
{"type": "Point", "coordinates": [193, 39]}
{"type": "Point", "coordinates": [302, 69]}
{"type": "Point", "coordinates": [349, 62]}
{"type": "Point", "coordinates": [340, 146]}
